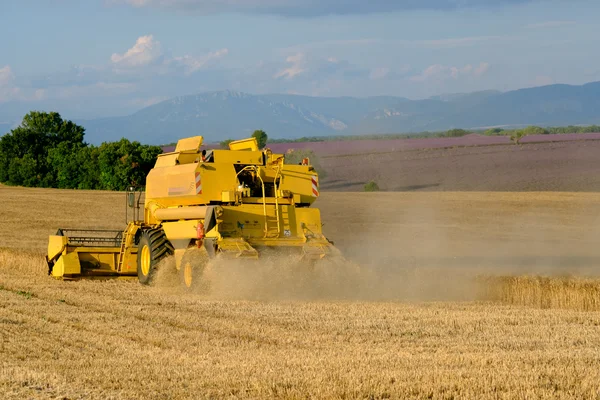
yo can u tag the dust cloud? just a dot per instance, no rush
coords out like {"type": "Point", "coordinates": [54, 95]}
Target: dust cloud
{"type": "Point", "coordinates": [277, 277]}
{"type": "Point", "coordinates": [439, 247]}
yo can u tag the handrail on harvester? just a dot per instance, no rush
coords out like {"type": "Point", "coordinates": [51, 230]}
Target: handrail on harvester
{"type": "Point", "coordinates": [262, 183]}
{"type": "Point", "coordinates": [276, 197]}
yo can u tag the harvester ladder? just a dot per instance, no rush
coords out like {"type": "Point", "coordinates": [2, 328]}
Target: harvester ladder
{"type": "Point", "coordinates": [285, 218]}
{"type": "Point", "coordinates": [277, 213]}
{"type": "Point", "coordinates": [277, 202]}
{"type": "Point", "coordinates": [122, 255]}
{"type": "Point", "coordinates": [273, 225]}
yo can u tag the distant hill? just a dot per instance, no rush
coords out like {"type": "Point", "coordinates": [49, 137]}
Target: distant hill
{"type": "Point", "coordinates": [228, 114]}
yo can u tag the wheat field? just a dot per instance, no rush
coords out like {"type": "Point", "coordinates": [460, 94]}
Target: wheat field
{"type": "Point", "coordinates": [460, 295]}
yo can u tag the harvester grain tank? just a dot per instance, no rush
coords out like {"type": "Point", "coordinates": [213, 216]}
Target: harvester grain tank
{"type": "Point", "coordinates": [199, 204]}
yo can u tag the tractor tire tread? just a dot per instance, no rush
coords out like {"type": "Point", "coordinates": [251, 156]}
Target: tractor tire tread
{"type": "Point", "coordinates": [160, 247]}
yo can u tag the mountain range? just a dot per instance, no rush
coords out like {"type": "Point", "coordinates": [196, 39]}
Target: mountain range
{"type": "Point", "coordinates": [231, 115]}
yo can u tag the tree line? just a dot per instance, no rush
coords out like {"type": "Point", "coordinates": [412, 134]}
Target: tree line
{"type": "Point", "coordinates": [47, 151]}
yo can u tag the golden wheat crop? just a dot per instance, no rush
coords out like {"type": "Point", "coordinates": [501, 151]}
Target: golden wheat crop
{"type": "Point", "coordinates": [423, 323]}
{"type": "Point", "coordinates": [544, 292]}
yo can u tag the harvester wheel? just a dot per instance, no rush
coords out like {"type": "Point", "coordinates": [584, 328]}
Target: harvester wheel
{"type": "Point", "coordinates": [153, 247]}
{"type": "Point", "coordinates": [192, 267]}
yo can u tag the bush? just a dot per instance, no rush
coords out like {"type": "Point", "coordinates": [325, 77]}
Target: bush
{"type": "Point", "coordinates": [494, 132]}
{"type": "Point", "coordinates": [519, 134]}
{"type": "Point", "coordinates": [296, 156]}
{"type": "Point", "coordinates": [225, 144]}
{"type": "Point", "coordinates": [371, 186]}
{"type": "Point", "coordinates": [535, 130]}
{"type": "Point", "coordinates": [457, 133]}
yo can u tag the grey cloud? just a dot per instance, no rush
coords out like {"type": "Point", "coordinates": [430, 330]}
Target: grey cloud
{"type": "Point", "coordinates": [311, 8]}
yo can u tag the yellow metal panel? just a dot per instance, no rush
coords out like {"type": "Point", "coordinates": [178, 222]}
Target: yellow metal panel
{"type": "Point", "coordinates": [56, 245]}
{"type": "Point", "coordinates": [237, 157]}
{"type": "Point", "coordinates": [237, 248]}
{"type": "Point", "coordinates": [277, 242]}
{"type": "Point", "coordinates": [215, 178]}
{"type": "Point", "coordinates": [189, 158]}
{"type": "Point", "coordinates": [244, 144]}
{"type": "Point", "coordinates": [130, 264]}
{"type": "Point", "coordinates": [311, 218]}
{"type": "Point", "coordinates": [178, 180]}
{"type": "Point", "coordinates": [228, 196]}
{"type": "Point", "coordinates": [180, 229]}
{"type": "Point", "coordinates": [189, 144]}
{"type": "Point", "coordinates": [298, 179]}
{"type": "Point", "coordinates": [176, 213]}
{"type": "Point", "coordinates": [247, 220]}
{"type": "Point", "coordinates": [98, 260]}
{"type": "Point", "coordinates": [166, 160]}
{"type": "Point", "coordinates": [67, 264]}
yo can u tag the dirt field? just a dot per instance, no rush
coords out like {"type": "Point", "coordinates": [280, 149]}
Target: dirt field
{"type": "Point", "coordinates": [570, 166]}
{"type": "Point", "coordinates": [436, 313]}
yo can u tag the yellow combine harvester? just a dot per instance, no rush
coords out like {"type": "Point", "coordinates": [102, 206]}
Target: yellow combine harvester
{"type": "Point", "coordinates": [199, 204]}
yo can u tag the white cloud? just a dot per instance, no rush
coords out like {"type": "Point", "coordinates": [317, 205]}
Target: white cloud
{"type": "Point", "coordinates": [379, 73]}
{"type": "Point", "coordinates": [542, 80]}
{"type": "Point", "coordinates": [145, 51]}
{"type": "Point", "coordinates": [8, 90]}
{"type": "Point", "coordinates": [549, 24]}
{"type": "Point", "coordinates": [6, 76]}
{"type": "Point", "coordinates": [439, 72]}
{"type": "Point", "coordinates": [193, 64]}
{"type": "Point", "coordinates": [298, 66]}
{"type": "Point", "coordinates": [147, 56]}
{"type": "Point", "coordinates": [481, 69]}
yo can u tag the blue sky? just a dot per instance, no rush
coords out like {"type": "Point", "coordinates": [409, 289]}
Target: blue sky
{"type": "Point", "coordinates": [97, 58]}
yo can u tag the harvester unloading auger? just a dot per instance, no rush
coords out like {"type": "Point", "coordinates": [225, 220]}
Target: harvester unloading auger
{"type": "Point", "coordinates": [200, 204]}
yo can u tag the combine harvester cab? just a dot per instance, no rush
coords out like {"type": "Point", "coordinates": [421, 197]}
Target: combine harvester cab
{"type": "Point", "coordinates": [200, 204]}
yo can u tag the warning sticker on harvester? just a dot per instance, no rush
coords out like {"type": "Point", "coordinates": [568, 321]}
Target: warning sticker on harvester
{"type": "Point", "coordinates": [198, 184]}
{"type": "Point", "coordinates": [315, 186]}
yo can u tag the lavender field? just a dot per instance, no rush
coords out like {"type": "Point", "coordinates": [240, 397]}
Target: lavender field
{"type": "Point", "coordinates": [347, 147]}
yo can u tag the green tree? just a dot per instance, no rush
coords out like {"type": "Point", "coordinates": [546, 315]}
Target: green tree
{"type": "Point", "coordinates": [125, 163]}
{"type": "Point", "coordinates": [225, 143]}
{"type": "Point", "coordinates": [261, 138]}
{"type": "Point", "coordinates": [87, 160]}
{"type": "Point", "coordinates": [494, 132]}
{"type": "Point", "coordinates": [457, 133]}
{"type": "Point", "coordinates": [517, 135]}
{"type": "Point", "coordinates": [535, 130]}
{"type": "Point", "coordinates": [64, 168]}
{"type": "Point", "coordinates": [24, 151]}
{"type": "Point", "coordinates": [295, 157]}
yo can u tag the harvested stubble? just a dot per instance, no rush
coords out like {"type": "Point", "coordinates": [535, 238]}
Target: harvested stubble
{"type": "Point", "coordinates": [118, 339]}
